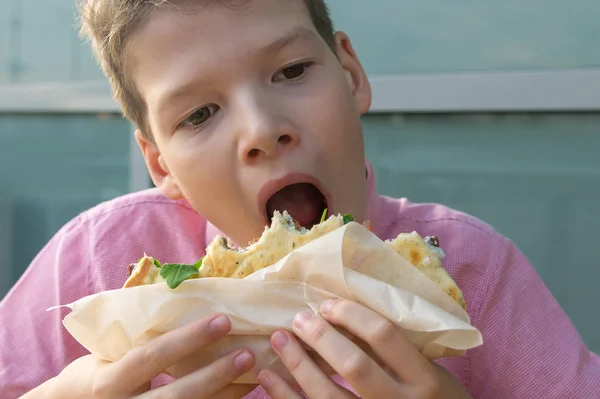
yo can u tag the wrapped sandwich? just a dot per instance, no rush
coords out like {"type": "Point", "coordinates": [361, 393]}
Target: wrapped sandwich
{"type": "Point", "coordinates": [263, 286]}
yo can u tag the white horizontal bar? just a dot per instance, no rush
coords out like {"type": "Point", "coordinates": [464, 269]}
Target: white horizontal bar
{"type": "Point", "coordinates": [573, 90]}
{"type": "Point", "coordinates": [552, 91]}
{"type": "Point", "coordinates": [61, 97]}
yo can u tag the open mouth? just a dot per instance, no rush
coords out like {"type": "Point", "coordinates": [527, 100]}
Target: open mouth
{"type": "Point", "coordinates": [303, 201]}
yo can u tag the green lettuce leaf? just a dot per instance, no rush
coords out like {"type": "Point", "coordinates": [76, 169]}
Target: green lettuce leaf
{"type": "Point", "coordinates": [176, 273]}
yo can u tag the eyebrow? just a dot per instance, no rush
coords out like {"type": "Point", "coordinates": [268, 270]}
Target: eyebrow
{"type": "Point", "coordinates": [297, 34]}
{"type": "Point", "coordinates": [178, 93]}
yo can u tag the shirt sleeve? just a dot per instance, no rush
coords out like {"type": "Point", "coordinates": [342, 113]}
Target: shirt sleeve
{"type": "Point", "coordinates": [34, 345]}
{"type": "Point", "coordinates": [530, 347]}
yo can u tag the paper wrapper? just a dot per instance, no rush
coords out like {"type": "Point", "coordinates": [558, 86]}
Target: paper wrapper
{"type": "Point", "coordinates": [350, 263]}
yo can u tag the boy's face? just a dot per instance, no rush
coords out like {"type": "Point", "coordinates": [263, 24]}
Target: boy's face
{"type": "Point", "coordinates": [245, 101]}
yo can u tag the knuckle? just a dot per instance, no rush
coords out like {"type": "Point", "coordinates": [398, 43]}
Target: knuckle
{"type": "Point", "coordinates": [152, 358]}
{"type": "Point", "coordinates": [317, 329]}
{"type": "Point", "coordinates": [224, 372]}
{"type": "Point", "coordinates": [328, 394]}
{"type": "Point", "coordinates": [172, 394]}
{"type": "Point", "coordinates": [101, 388]}
{"type": "Point", "coordinates": [382, 331]}
{"type": "Point", "coordinates": [428, 388]}
{"type": "Point", "coordinates": [294, 361]}
{"type": "Point", "coordinates": [356, 367]}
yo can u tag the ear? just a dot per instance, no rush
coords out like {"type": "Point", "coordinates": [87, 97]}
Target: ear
{"type": "Point", "coordinates": [357, 78]}
{"type": "Point", "coordinates": [157, 167]}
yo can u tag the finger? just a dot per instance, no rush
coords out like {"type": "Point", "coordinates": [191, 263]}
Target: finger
{"type": "Point", "coordinates": [234, 391]}
{"type": "Point", "coordinates": [388, 342]}
{"type": "Point", "coordinates": [353, 364]}
{"type": "Point", "coordinates": [276, 387]}
{"type": "Point", "coordinates": [304, 370]}
{"type": "Point", "coordinates": [205, 382]}
{"type": "Point", "coordinates": [143, 363]}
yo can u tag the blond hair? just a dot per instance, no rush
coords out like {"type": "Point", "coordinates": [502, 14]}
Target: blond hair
{"type": "Point", "coordinates": [109, 24]}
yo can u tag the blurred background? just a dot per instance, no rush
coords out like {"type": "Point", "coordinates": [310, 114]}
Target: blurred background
{"type": "Point", "coordinates": [490, 107]}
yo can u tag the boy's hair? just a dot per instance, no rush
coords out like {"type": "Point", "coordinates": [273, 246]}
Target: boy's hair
{"type": "Point", "coordinates": [109, 24]}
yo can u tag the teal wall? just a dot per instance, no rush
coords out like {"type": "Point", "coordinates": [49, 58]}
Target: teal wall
{"type": "Point", "coordinates": [51, 168]}
{"type": "Point", "coordinates": [422, 36]}
{"type": "Point", "coordinates": [39, 42]}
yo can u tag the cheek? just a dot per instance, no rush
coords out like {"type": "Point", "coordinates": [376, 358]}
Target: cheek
{"type": "Point", "coordinates": [338, 125]}
{"type": "Point", "coordinates": [198, 172]}
{"type": "Point", "coordinates": [337, 122]}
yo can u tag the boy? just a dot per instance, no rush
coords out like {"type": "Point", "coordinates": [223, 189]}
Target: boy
{"type": "Point", "coordinates": [243, 108]}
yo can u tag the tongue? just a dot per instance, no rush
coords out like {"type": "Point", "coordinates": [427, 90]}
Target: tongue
{"type": "Point", "coordinates": [304, 202]}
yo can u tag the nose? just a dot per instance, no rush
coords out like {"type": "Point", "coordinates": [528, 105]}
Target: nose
{"type": "Point", "coordinates": [265, 132]}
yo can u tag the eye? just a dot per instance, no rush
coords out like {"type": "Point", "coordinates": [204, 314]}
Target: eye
{"type": "Point", "coordinates": [293, 72]}
{"type": "Point", "coordinates": [200, 116]}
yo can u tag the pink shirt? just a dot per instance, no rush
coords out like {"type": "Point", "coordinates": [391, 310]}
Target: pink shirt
{"type": "Point", "coordinates": [531, 349]}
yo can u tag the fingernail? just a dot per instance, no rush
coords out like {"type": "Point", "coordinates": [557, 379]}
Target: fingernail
{"type": "Point", "coordinates": [243, 361]}
{"type": "Point", "coordinates": [279, 340]}
{"type": "Point", "coordinates": [219, 325]}
{"type": "Point", "coordinates": [326, 307]}
{"type": "Point", "coordinates": [302, 318]}
{"type": "Point", "coordinates": [264, 380]}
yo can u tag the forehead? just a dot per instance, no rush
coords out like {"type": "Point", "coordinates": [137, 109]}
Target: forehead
{"type": "Point", "coordinates": [221, 22]}
{"type": "Point", "coordinates": [208, 25]}
{"type": "Point", "coordinates": [184, 40]}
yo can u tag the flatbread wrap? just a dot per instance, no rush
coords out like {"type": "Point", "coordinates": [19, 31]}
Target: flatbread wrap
{"type": "Point", "coordinates": [278, 240]}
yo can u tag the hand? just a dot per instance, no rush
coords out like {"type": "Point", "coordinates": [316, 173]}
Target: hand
{"type": "Point", "coordinates": [89, 377]}
{"type": "Point", "coordinates": [405, 372]}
